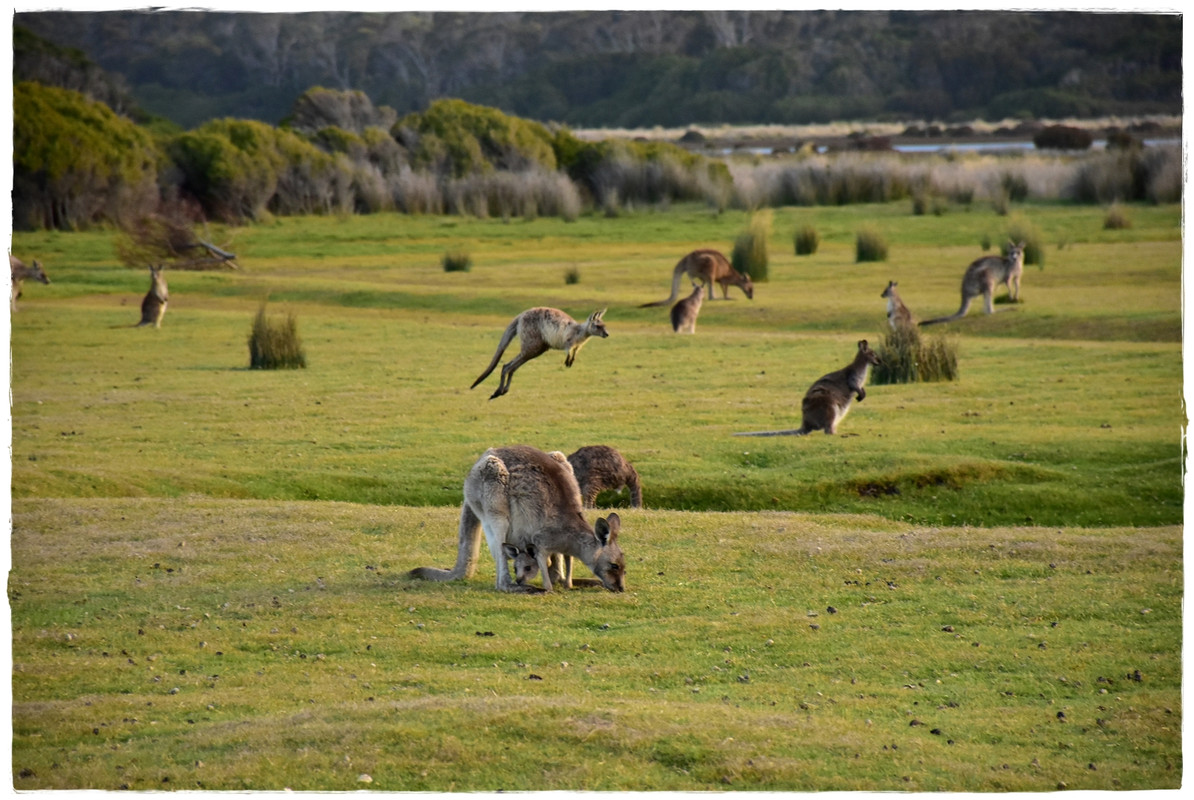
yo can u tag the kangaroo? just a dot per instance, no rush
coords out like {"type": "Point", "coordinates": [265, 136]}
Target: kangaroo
{"type": "Point", "coordinates": [524, 497]}
{"type": "Point", "coordinates": [598, 467]}
{"type": "Point", "coordinates": [898, 315]}
{"type": "Point", "coordinates": [539, 330]}
{"type": "Point", "coordinates": [828, 400]}
{"type": "Point", "coordinates": [707, 266]}
{"type": "Point", "coordinates": [684, 313]}
{"type": "Point", "coordinates": [983, 275]}
{"type": "Point", "coordinates": [153, 307]}
{"type": "Point", "coordinates": [22, 272]}
{"type": "Point", "coordinates": [526, 566]}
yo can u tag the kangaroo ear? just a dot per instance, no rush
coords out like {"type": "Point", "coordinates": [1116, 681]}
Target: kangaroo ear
{"type": "Point", "coordinates": [510, 550]}
{"type": "Point", "coordinates": [862, 345]}
{"type": "Point", "coordinates": [597, 315]}
{"type": "Point", "coordinates": [607, 529]}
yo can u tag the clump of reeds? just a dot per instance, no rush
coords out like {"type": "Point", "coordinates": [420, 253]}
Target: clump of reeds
{"type": "Point", "coordinates": [572, 275]}
{"type": "Point", "coordinates": [807, 240]}
{"type": "Point", "coordinates": [749, 255]}
{"type": "Point", "coordinates": [869, 245]}
{"type": "Point", "coordinates": [1117, 218]}
{"type": "Point", "coordinates": [907, 357]}
{"type": "Point", "coordinates": [274, 343]}
{"type": "Point", "coordinates": [457, 261]}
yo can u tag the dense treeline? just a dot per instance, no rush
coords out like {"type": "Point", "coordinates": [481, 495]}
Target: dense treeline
{"type": "Point", "coordinates": [641, 68]}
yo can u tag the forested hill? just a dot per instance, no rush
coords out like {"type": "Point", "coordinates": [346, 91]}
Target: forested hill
{"type": "Point", "coordinates": [642, 68]}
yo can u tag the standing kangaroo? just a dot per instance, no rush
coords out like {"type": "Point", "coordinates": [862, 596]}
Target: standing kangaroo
{"type": "Point", "coordinates": [598, 467]}
{"type": "Point", "coordinates": [983, 275]}
{"type": "Point", "coordinates": [898, 315]}
{"type": "Point", "coordinates": [828, 399]}
{"type": "Point", "coordinates": [707, 266]}
{"type": "Point", "coordinates": [524, 497]}
{"type": "Point", "coordinates": [684, 313]}
{"type": "Point", "coordinates": [153, 307]}
{"type": "Point", "coordinates": [21, 272]}
{"type": "Point", "coordinates": [539, 330]}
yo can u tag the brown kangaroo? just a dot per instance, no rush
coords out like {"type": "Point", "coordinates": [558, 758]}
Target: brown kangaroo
{"type": "Point", "coordinates": [539, 330]}
{"type": "Point", "coordinates": [524, 497]}
{"type": "Point", "coordinates": [684, 313]}
{"type": "Point", "coordinates": [983, 275]}
{"type": "Point", "coordinates": [828, 400]}
{"type": "Point", "coordinates": [898, 315]}
{"type": "Point", "coordinates": [21, 272]}
{"type": "Point", "coordinates": [153, 307]}
{"type": "Point", "coordinates": [707, 266]}
{"type": "Point", "coordinates": [599, 467]}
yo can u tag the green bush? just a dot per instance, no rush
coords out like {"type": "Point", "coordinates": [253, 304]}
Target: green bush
{"type": "Point", "coordinates": [807, 240]}
{"type": "Point", "coordinates": [457, 261]}
{"type": "Point", "coordinates": [907, 357]}
{"type": "Point", "coordinates": [1062, 137]}
{"type": "Point", "coordinates": [458, 138]}
{"type": "Point", "coordinates": [749, 255]}
{"type": "Point", "coordinates": [274, 343]}
{"type": "Point", "coordinates": [869, 245]}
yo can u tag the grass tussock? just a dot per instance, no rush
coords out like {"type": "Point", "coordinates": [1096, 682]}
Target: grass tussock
{"type": "Point", "coordinates": [749, 255]}
{"type": "Point", "coordinates": [907, 356]}
{"type": "Point", "coordinates": [457, 261]}
{"type": "Point", "coordinates": [274, 342]}
{"type": "Point", "coordinates": [1117, 218]}
{"type": "Point", "coordinates": [806, 240]}
{"type": "Point", "coordinates": [869, 245]}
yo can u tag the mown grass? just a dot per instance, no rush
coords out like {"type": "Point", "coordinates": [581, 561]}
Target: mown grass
{"type": "Point", "coordinates": [181, 521]}
{"type": "Point", "coordinates": [198, 643]}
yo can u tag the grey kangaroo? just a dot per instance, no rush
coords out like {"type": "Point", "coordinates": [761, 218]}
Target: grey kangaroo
{"type": "Point", "coordinates": [684, 312]}
{"type": "Point", "coordinates": [153, 307]}
{"type": "Point", "coordinates": [983, 275]}
{"type": "Point", "coordinates": [898, 315]}
{"type": "Point", "coordinates": [707, 266]}
{"type": "Point", "coordinates": [22, 272]}
{"type": "Point", "coordinates": [828, 400]}
{"type": "Point", "coordinates": [539, 330]}
{"type": "Point", "coordinates": [524, 497]}
{"type": "Point", "coordinates": [598, 467]}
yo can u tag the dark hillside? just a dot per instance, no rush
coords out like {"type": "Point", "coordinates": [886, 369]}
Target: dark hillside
{"type": "Point", "coordinates": [642, 68]}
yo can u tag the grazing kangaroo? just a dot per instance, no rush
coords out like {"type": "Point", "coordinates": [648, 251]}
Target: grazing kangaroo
{"type": "Point", "coordinates": [828, 399]}
{"type": "Point", "coordinates": [684, 313]}
{"type": "Point", "coordinates": [539, 330]}
{"type": "Point", "coordinates": [707, 266]}
{"type": "Point", "coordinates": [153, 307]}
{"type": "Point", "coordinates": [898, 315]}
{"type": "Point", "coordinates": [599, 467]}
{"type": "Point", "coordinates": [524, 497]}
{"type": "Point", "coordinates": [21, 272]}
{"type": "Point", "coordinates": [983, 275]}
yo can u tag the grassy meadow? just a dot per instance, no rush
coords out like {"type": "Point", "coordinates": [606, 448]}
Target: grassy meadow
{"type": "Point", "coordinates": [975, 586]}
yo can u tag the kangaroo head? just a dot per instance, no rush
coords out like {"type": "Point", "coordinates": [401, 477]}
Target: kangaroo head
{"type": "Point", "coordinates": [39, 274]}
{"type": "Point", "coordinates": [748, 287]}
{"type": "Point", "coordinates": [609, 565]}
{"type": "Point", "coordinates": [866, 352]}
{"type": "Point", "coordinates": [1015, 251]}
{"type": "Point", "coordinates": [526, 566]}
{"type": "Point", "coordinates": [595, 326]}
{"type": "Point", "coordinates": [891, 285]}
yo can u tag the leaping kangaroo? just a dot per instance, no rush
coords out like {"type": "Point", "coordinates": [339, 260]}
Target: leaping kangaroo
{"type": "Point", "coordinates": [828, 400]}
{"type": "Point", "coordinates": [539, 330]}
{"type": "Point", "coordinates": [526, 498]}
{"type": "Point", "coordinates": [983, 275]}
{"type": "Point", "coordinates": [707, 266]}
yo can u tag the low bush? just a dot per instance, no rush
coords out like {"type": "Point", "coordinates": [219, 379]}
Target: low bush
{"type": "Point", "coordinates": [1063, 137]}
{"type": "Point", "coordinates": [907, 357]}
{"type": "Point", "coordinates": [807, 240]}
{"type": "Point", "coordinates": [869, 245]}
{"type": "Point", "coordinates": [274, 343]}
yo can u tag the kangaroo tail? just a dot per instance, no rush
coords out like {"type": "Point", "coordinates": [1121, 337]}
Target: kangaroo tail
{"type": "Point", "coordinates": [507, 337]}
{"type": "Point", "coordinates": [466, 554]}
{"type": "Point", "coordinates": [792, 432]}
{"type": "Point", "coordinates": [961, 312]}
{"type": "Point", "coordinates": [676, 273]}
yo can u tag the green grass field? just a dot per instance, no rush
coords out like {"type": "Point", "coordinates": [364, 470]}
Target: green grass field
{"type": "Point", "coordinates": [241, 536]}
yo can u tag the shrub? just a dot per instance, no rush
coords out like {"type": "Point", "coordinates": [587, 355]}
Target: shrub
{"type": "Point", "coordinates": [869, 245]}
{"type": "Point", "coordinates": [807, 240]}
{"type": "Point", "coordinates": [274, 343]}
{"type": "Point", "coordinates": [1062, 137]}
{"type": "Point", "coordinates": [457, 261]}
{"type": "Point", "coordinates": [749, 255]}
{"type": "Point", "coordinates": [1117, 218]}
{"type": "Point", "coordinates": [907, 357]}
